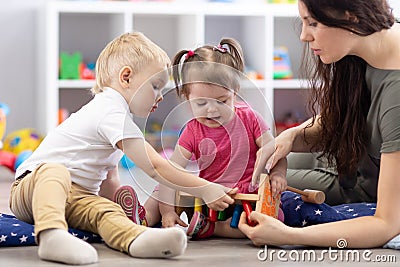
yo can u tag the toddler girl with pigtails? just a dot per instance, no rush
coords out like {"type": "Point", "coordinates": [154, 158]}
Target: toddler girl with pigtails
{"type": "Point", "coordinates": [223, 136]}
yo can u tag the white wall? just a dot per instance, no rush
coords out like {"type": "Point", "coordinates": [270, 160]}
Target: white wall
{"type": "Point", "coordinates": [18, 26]}
{"type": "Point", "coordinates": [395, 4]}
{"type": "Point", "coordinates": [18, 59]}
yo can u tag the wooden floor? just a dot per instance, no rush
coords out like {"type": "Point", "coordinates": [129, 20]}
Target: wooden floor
{"type": "Point", "coordinates": [213, 252]}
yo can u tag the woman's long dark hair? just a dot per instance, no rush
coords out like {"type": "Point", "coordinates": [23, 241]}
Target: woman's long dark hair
{"type": "Point", "coordinates": [339, 91]}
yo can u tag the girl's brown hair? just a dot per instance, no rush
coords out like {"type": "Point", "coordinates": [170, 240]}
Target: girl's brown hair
{"type": "Point", "coordinates": [208, 64]}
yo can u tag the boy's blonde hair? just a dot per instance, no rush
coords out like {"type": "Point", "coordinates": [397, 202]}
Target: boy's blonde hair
{"type": "Point", "coordinates": [129, 49]}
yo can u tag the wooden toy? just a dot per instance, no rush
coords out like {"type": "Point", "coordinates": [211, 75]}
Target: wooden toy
{"type": "Point", "coordinates": [212, 215]}
{"type": "Point", "coordinates": [221, 215]}
{"type": "Point", "coordinates": [198, 203]}
{"type": "Point", "coordinates": [236, 216]}
{"type": "Point", "coordinates": [248, 209]}
{"type": "Point", "coordinates": [265, 203]}
{"type": "Point", "coordinates": [307, 195]}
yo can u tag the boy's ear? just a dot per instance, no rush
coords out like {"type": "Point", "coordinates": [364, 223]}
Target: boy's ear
{"type": "Point", "coordinates": [125, 76]}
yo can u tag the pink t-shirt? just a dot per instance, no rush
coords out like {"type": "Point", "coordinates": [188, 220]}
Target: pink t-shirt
{"type": "Point", "coordinates": [227, 154]}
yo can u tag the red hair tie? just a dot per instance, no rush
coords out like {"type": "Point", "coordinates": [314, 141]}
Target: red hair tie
{"type": "Point", "coordinates": [189, 54]}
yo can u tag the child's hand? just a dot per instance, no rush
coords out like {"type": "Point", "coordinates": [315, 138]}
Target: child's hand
{"type": "Point", "coordinates": [218, 197]}
{"type": "Point", "coordinates": [278, 184]}
{"type": "Point", "coordinates": [170, 219]}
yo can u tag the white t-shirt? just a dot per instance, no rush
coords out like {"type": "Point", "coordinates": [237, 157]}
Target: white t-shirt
{"type": "Point", "coordinates": [86, 142]}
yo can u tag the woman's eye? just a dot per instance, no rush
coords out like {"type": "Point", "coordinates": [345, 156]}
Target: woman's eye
{"type": "Point", "coordinates": [221, 102]}
{"type": "Point", "coordinates": [313, 24]}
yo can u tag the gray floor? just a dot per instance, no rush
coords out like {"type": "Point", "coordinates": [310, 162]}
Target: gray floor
{"type": "Point", "coordinates": [213, 252]}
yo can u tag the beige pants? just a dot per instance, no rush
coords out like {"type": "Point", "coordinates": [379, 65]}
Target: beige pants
{"type": "Point", "coordinates": [47, 198]}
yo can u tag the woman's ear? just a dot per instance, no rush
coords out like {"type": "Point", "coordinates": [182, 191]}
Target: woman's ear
{"type": "Point", "coordinates": [125, 76]}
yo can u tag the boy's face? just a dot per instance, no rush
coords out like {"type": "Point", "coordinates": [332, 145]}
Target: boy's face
{"type": "Point", "coordinates": [212, 105]}
{"type": "Point", "coordinates": [146, 88]}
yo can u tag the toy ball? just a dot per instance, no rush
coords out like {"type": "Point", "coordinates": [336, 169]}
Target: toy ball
{"type": "Point", "coordinates": [21, 140]}
{"type": "Point", "coordinates": [24, 155]}
{"type": "Point", "coordinates": [126, 162]}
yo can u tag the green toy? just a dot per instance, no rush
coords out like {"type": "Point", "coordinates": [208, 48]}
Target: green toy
{"type": "Point", "coordinates": [70, 65]}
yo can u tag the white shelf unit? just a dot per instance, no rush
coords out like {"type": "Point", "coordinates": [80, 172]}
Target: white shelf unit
{"type": "Point", "coordinates": [87, 27]}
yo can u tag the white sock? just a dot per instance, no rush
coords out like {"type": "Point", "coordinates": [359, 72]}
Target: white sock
{"type": "Point", "coordinates": [159, 243]}
{"type": "Point", "coordinates": [59, 245]}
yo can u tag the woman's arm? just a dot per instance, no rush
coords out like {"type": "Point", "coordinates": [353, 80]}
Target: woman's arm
{"type": "Point", "coordinates": [291, 140]}
{"type": "Point", "coordinates": [301, 141]}
{"type": "Point", "coordinates": [362, 232]}
{"type": "Point", "coordinates": [277, 173]}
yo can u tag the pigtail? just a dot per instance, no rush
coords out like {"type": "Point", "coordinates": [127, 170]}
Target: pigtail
{"type": "Point", "coordinates": [176, 71]}
{"type": "Point", "coordinates": [235, 50]}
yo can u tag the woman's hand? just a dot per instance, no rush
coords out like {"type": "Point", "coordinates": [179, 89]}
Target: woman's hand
{"type": "Point", "coordinates": [170, 219]}
{"type": "Point", "coordinates": [268, 231]}
{"type": "Point", "coordinates": [272, 152]}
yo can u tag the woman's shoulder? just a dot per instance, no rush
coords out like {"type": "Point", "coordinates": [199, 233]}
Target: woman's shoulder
{"type": "Point", "coordinates": [376, 77]}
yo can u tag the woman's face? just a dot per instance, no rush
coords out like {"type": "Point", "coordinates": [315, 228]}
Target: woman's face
{"type": "Point", "coordinates": [212, 105]}
{"type": "Point", "coordinates": [330, 44]}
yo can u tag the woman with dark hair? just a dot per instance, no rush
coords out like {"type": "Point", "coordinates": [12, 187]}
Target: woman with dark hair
{"type": "Point", "coordinates": [354, 73]}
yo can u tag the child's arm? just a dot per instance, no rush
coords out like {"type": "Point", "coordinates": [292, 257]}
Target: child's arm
{"type": "Point", "coordinates": [167, 207]}
{"type": "Point", "coordinates": [278, 177]}
{"type": "Point", "coordinates": [181, 157]}
{"type": "Point", "coordinates": [111, 184]}
{"type": "Point", "coordinates": [172, 175]}
{"type": "Point", "coordinates": [278, 172]}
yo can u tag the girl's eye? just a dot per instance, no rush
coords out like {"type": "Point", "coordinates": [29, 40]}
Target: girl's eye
{"type": "Point", "coordinates": [201, 104]}
{"type": "Point", "coordinates": [313, 24]}
{"type": "Point", "coordinates": [221, 102]}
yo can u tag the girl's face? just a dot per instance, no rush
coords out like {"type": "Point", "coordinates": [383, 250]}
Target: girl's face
{"type": "Point", "coordinates": [145, 89]}
{"type": "Point", "coordinates": [212, 105]}
{"type": "Point", "coordinates": [330, 44]}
